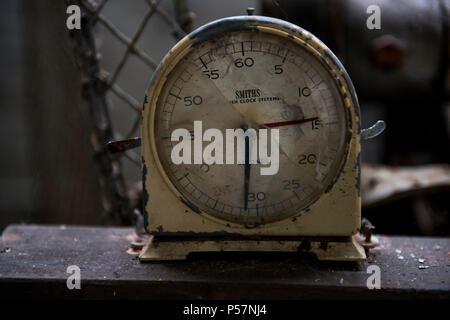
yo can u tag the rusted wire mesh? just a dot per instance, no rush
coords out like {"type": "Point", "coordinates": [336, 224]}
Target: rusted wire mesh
{"type": "Point", "coordinates": [117, 198]}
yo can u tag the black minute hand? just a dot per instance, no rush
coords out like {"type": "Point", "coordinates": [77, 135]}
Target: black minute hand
{"type": "Point", "coordinates": [247, 170]}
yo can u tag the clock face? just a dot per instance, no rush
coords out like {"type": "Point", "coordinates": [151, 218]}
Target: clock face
{"type": "Point", "coordinates": [274, 92]}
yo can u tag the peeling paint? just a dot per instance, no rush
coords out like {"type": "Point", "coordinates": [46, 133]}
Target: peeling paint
{"type": "Point", "coordinates": [358, 175]}
{"type": "Point", "coordinates": [145, 102]}
{"type": "Point", "coordinates": [328, 65]}
{"type": "Point", "coordinates": [219, 27]}
{"type": "Point", "coordinates": [220, 233]}
{"type": "Point", "coordinates": [190, 205]}
{"type": "Point", "coordinates": [145, 195]}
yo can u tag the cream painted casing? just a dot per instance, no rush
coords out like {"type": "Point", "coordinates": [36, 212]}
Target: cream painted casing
{"type": "Point", "coordinates": [337, 212]}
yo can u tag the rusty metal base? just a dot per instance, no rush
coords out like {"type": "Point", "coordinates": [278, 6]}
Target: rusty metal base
{"type": "Point", "coordinates": [158, 249]}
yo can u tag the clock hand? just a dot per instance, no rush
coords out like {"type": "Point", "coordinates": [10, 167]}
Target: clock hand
{"type": "Point", "coordinates": [247, 171]}
{"type": "Point", "coordinates": [288, 123]}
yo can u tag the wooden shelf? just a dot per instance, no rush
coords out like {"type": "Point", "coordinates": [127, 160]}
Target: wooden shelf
{"type": "Point", "coordinates": [34, 260]}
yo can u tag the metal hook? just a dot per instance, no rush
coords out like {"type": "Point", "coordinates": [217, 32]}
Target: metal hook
{"type": "Point", "coordinates": [123, 145]}
{"type": "Point", "coordinates": [373, 131]}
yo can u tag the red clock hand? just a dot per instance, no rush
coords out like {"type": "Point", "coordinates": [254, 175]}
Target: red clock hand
{"type": "Point", "coordinates": [288, 123]}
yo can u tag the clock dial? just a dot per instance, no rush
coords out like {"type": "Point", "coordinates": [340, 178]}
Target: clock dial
{"type": "Point", "coordinates": [252, 81]}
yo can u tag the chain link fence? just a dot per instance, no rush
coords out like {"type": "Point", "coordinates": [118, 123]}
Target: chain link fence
{"type": "Point", "coordinates": [106, 86]}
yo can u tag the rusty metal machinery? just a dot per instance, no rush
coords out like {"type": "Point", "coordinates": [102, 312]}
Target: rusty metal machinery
{"type": "Point", "coordinates": [406, 59]}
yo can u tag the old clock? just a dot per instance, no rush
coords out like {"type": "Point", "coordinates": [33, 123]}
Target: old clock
{"type": "Point", "coordinates": [251, 142]}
